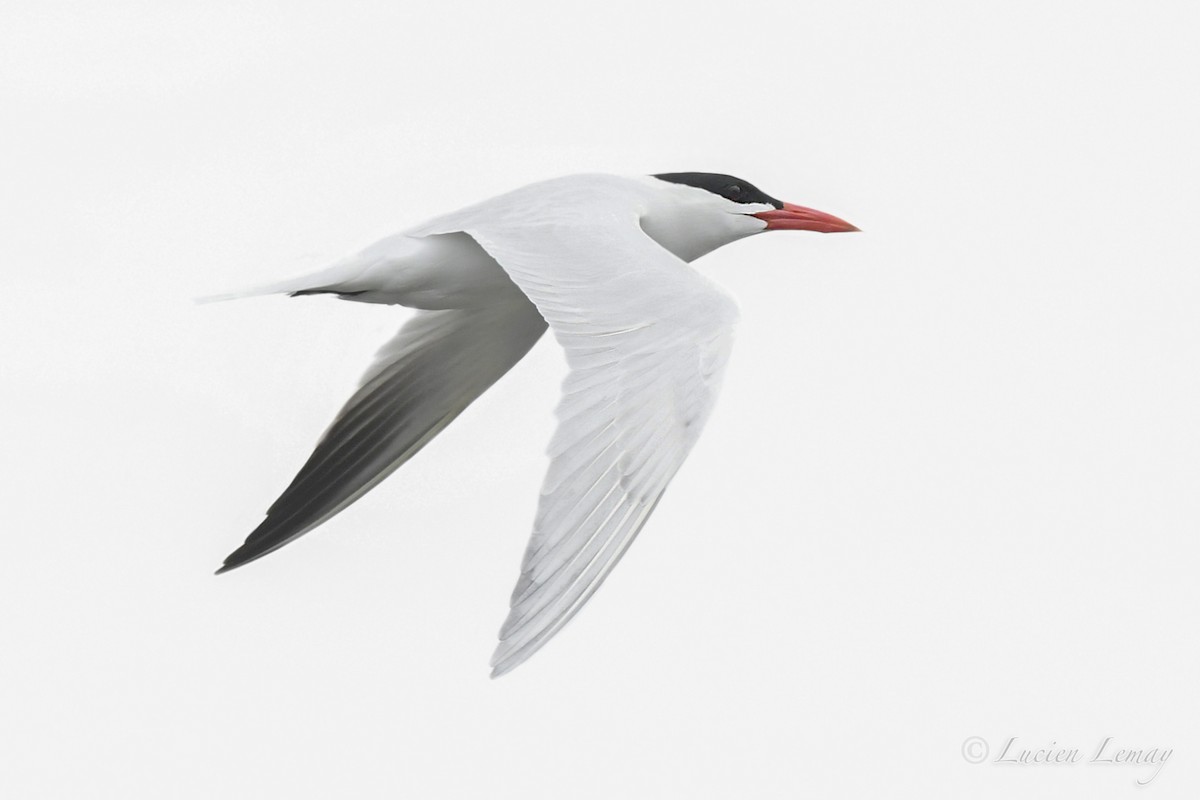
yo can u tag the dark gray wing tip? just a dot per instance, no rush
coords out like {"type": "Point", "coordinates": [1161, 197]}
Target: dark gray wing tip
{"type": "Point", "coordinates": [248, 552]}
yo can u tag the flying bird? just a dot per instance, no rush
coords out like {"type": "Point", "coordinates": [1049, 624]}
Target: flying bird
{"type": "Point", "coordinates": [604, 262]}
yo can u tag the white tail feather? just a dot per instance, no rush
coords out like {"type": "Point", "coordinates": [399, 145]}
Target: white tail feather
{"type": "Point", "coordinates": [331, 279]}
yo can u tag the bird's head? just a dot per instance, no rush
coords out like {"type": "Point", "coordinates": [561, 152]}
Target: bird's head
{"type": "Point", "coordinates": [701, 211]}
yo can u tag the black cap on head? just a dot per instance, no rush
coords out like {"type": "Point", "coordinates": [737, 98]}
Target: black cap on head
{"type": "Point", "coordinates": [727, 186]}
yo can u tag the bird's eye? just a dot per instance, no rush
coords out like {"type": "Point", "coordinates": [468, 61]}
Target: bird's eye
{"type": "Point", "coordinates": [734, 191]}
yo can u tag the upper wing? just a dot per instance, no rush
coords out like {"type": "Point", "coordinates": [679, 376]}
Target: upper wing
{"type": "Point", "coordinates": [437, 364]}
{"type": "Point", "coordinates": [646, 339]}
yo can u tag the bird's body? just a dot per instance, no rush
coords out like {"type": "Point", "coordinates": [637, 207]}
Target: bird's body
{"type": "Point", "coordinates": [603, 261]}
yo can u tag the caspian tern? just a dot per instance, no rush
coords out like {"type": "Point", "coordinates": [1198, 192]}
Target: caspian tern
{"type": "Point", "coordinates": [601, 259]}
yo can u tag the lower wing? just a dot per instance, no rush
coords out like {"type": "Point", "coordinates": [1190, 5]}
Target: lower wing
{"type": "Point", "coordinates": [436, 366]}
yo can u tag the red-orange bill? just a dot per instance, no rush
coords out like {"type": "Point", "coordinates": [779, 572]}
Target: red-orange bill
{"type": "Point", "coordinates": [798, 218]}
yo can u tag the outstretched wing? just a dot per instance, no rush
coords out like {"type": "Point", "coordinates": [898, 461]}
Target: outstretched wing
{"type": "Point", "coordinates": [646, 339]}
{"type": "Point", "coordinates": [437, 364]}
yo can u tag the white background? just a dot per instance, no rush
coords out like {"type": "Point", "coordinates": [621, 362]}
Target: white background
{"type": "Point", "coordinates": [950, 488]}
